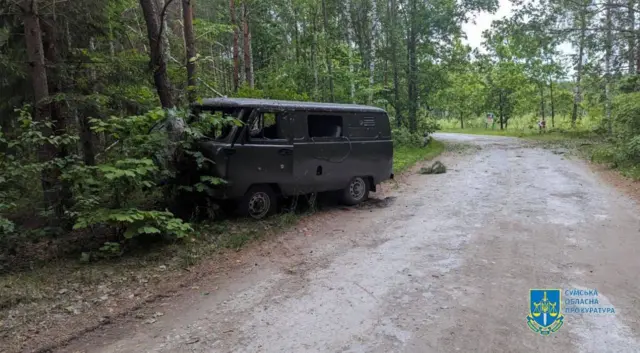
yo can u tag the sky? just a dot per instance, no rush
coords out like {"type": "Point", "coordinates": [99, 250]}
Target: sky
{"type": "Point", "coordinates": [482, 21]}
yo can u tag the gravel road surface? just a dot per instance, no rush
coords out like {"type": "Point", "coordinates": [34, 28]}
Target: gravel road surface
{"type": "Point", "coordinates": [441, 263]}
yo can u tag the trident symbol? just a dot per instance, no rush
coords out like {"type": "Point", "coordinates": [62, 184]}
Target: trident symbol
{"type": "Point", "coordinates": [543, 308]}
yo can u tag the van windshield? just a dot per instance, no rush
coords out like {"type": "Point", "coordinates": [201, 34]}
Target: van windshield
{"type": "Point", "coordinates": [217, 124]}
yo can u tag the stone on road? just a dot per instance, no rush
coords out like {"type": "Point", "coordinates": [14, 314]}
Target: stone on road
{"type": "Point", "coordinates": [446, 267]}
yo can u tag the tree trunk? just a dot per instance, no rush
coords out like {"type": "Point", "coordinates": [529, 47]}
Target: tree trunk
{"type": "Point", "coordinates": [236, 49]}
{"type": "Point", "coordinates": [58, 116]}
{"type": "Point", "coordinates": [607, 65]}
{"type": "Point", "coordinates": [248, 59]}
{"type": "Point", "coordinates": [166, 30]}
{"type": "Point", "coordinates": [577, 96]}
{"type": "Point", "coordinates": [296, 31]}
{"type": "Point", "coordinates": [352, 85]}
{"type": "Point", "coordinates": [325, 29]}
{"type": "Point", "coordinates": [86, 135]}
{"type": "Point", "coordinates": [632, 42]}
{"type": "Point", "coordinates": [501, 113]}
{"type": "Point", "coordinates": [314, 55]}
{"type": "Point", "coordinates": [461, 121]}
{"type": "Point", "coordinates": [411, 72]}
{"type": "Point", "coordinates": [372, 50]}
{"type": "Point", "coordinates": [541, 87]}
{"type": "Point", "coordinates": [394, 52]}
{"type": "Point", "coordinates": [190, 46]}
{"type": "Point", "coordinates": [158, 61]}
{"type": "Point", "coordinates": [39, 82]}
{"type": "Point", "coordinates": [553, 112]}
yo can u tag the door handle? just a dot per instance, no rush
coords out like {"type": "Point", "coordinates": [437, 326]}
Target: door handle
{"type": "Point", "coordinates": [285, 152]}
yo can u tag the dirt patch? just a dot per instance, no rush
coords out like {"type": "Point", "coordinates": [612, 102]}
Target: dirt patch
{"type": "Point", "coordinates": [613, 177]}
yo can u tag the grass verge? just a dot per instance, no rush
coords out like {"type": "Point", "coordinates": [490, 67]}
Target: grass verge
{"type": "Point", "coordinates": [550, 135]}
{"type": "Point", "coordinates": [404, 157]}
{"type": "Point", "coordinates": [480, 131]}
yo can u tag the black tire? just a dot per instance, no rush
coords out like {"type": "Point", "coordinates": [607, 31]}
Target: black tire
{"type": "Point", "coordinates": [357, 191]}
{"type": "Point", "coordinates": [259, 202]}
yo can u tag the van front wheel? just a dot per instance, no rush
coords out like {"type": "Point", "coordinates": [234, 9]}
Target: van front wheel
{"type": "Point", "coordinates": [356, 191]}
{"type": "Point", "coordinates": [259, 202]}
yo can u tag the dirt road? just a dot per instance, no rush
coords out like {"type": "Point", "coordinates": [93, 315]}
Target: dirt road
{"type": "Point", "coordinates": [446, 266]}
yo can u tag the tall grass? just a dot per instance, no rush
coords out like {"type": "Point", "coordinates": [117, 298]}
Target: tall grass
{"type": "Point", "coordinates": [525, 124]}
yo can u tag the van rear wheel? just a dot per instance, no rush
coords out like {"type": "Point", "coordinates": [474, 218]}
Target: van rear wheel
{"type": "Point", "coordinates": [259, 202]}
{"type": "Point", "coordinates": [356, 191]}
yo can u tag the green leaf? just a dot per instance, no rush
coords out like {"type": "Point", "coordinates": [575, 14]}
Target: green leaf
{"type": "Point", "coordinates": [149, 230]}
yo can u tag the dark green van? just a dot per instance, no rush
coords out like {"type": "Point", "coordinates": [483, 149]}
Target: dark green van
{"type": "Point", "coordinates": [287, 148]}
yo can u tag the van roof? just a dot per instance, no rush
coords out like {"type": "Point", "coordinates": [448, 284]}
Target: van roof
{"type": "Point", "coordinates": [286, 105]}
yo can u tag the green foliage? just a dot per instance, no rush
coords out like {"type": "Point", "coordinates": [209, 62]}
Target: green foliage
{"type": "Point", "coordinates": [405, 156]}
{"type": "Point", "coordinates": [116, 193]}
{"type": "Point", "coordinates": [276, 92]}
{"type": "Point", "coordinates": [20, 167]}
{"type": "Point", "coordinates": [133, 222]}
{"type": "Point", "coordinates": [404, 137]}
{"type": "Point", "coordinates": [626, 140]}
{"type": "Point", "coordinates": [626, 113]}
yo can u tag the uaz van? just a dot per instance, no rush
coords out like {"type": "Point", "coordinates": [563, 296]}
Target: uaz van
{"type": "Point", "coordinates": [288, 148]}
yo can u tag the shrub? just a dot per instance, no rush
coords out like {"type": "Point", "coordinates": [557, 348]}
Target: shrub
{"type": "Point", "coordinates": [404, 137]}
{"type": "Point", "coordinates": [125, 190]}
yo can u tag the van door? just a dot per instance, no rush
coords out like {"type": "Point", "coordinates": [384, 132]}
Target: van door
{"type": "Point", "coordinates": [263, 154]}
{"type": "Point", "coordinates": [320, 151]}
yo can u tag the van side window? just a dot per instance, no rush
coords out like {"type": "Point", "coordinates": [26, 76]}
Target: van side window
{"type": "Point", "coordinates": [266, 126]}
{"type": "Point", "coordinates": [325, 125]}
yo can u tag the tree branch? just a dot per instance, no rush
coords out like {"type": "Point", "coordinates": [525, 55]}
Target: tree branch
{"type": "Point", "coordinates": [211, 88]}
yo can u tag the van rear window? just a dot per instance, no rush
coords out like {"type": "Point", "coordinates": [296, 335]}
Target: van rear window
{"type": "Point", "coordinates": [325, 125]}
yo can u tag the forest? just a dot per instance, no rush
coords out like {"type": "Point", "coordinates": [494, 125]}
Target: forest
{"type": "Point", "coordinates": [84, 83]}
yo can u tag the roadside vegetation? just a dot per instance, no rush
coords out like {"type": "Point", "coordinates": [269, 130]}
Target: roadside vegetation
{"type": "Point", "coordinates": [616, 150]}
{"type": "Point", "coordinates": [405, 156]}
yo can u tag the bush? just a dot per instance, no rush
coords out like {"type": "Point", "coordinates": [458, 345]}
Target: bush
{"type": "Point", "coordinates": [626, 115]}
{"type": "Point", "coordinates": [624, 147]}
{"type": "Point", "coordinates": [123, 191]}
{"type": "Point", "coordinates": [404, 137]}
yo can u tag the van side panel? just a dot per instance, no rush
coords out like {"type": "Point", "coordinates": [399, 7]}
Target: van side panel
{"type": "Point", "coordinates": [319, 163]}
{"type": "Point", "coordinates": [260, 160]}
{"type": "Point", "coordinates": [372, 147]}
{"type": "Point", "coordinates": [364, 148]}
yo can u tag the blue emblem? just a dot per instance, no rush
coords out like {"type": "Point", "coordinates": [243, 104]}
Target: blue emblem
{"type": "Point", "coordinates": [545, 314]}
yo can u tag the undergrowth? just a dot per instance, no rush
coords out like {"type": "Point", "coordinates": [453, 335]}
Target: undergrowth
{"type": "Point", "coordinates": [404, 157]}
